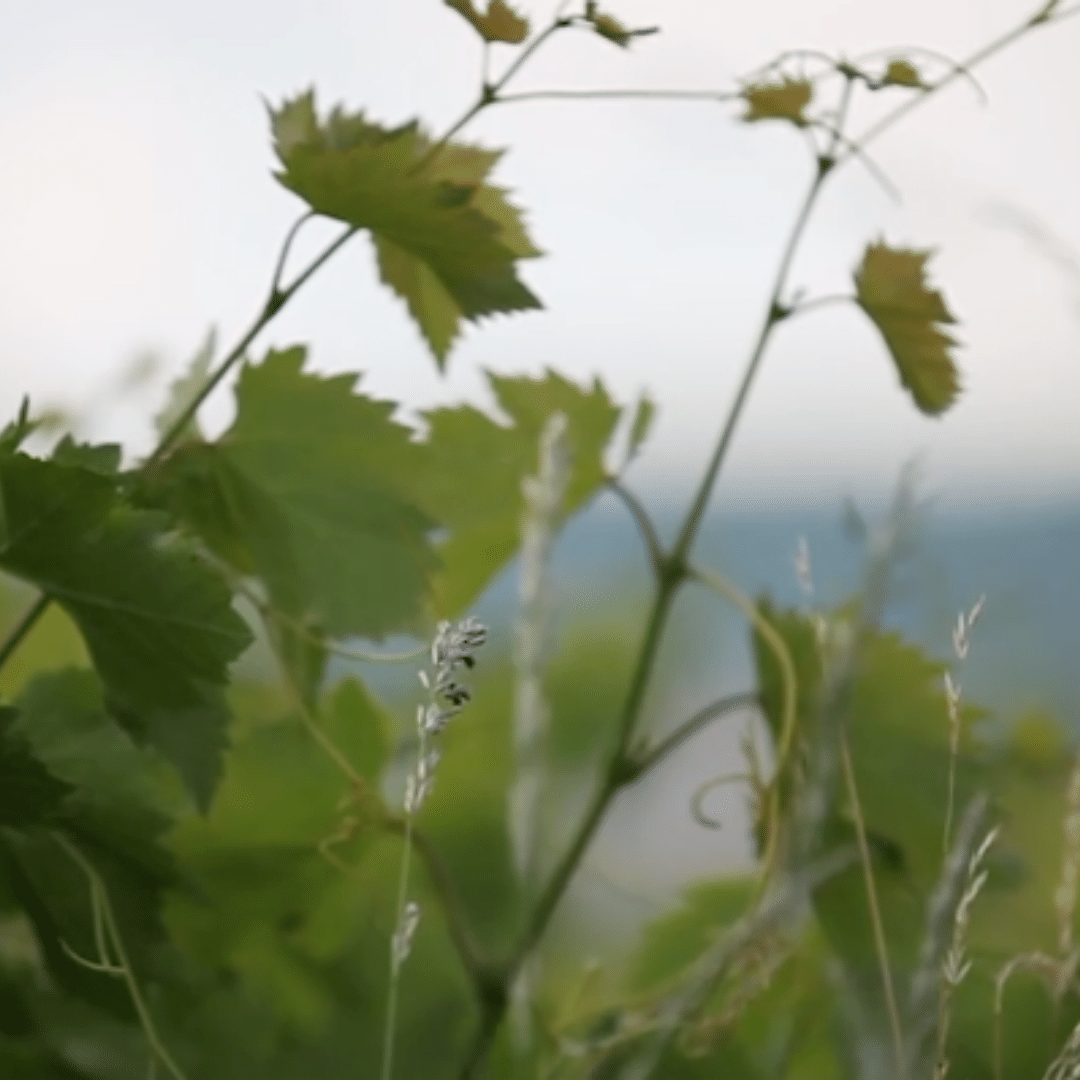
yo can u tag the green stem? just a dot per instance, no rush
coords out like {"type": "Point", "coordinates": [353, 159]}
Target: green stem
{"type": "Point", "coordinates": [276, 300]}
{"type": "Point", "coordinates": [104, 917]}
{"type": "Point", "coordinates": [654, 549]}
{"type": "Point", "coordinates": [620, 95]}
{"type": "Point", "coordinates": [23, 627]}
{"type": "Point", "coordinates": [689, 728]}
{"type": "Point", "coordinates": [775, 313]}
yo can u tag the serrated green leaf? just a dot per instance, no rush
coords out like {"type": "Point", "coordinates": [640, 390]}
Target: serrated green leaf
{"type": "Point", "coordinates": [310, 490]}
{"type": "Point", "coordinates": [471, 482]}
{"type": "Point", "coordinates": [29, 793]}
{"type": "Point", "coordinates": [186, 388]}
{"type": "Point", "coordinates": [157, 621]}
{"type": "Point", "coordinates": [123, 800]}
{"type": "Point", "coordinates": [891, 288]}
{"type": "Point", "coordinates": [102, 458]}
{"type": "Point", "coordinates": [499, 23]}
{"type": "Point", "coordinates": [423, 204]}
{"type": "Point", "coordinates": [785, 100]}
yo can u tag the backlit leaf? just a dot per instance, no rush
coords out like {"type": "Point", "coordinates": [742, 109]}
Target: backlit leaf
{"type": "Point", "coordinates": [891, 288]}
{"type": "Point", "coordinates": [784, 100]}
{"type": "Point", "coordinates": [644, 415]}
{"type": "Point", "coordinates": [309, 490]}
{"type": "Point", "coordinates": [448, 242]}
{"type": "Point", "coordinates": [472, 480]}
{"type": "Point", "coordinates": [157, 621]}
{"type": "Point", "coordinates": [499, 23]}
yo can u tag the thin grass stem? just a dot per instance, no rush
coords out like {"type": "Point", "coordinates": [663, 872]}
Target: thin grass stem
{"type": "Point", "coordinates": [881, 946]}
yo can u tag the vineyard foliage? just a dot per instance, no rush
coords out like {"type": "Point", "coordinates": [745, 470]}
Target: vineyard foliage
{"type": "Point", "coordinates": [201, 822]}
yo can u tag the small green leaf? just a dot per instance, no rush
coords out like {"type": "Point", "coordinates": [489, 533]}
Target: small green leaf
{"type": "Point", "coordinates": [644, 415]}
{"type": "Point", "coordinates": [784, 100]}
{"type": "Point", "coordinates": [447, 241]}
{"type": "Point", "coordinates": [157, 621]}
{"type": "Point", "coordinates": [902, 73]}
{"type": "Point", "coordinates": [891, 289]}
{"type": "Point", "coordinates": [29, 793]}
{"type": "Point", "coordinates": [607, 26]}
{"type": "Point", "coordinates": [500, 23]}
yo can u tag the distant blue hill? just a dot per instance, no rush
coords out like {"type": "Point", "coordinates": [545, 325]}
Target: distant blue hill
{"type": "Point", "coordinates": [1026, 647]}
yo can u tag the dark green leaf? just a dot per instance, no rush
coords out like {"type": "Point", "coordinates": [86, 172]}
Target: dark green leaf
{"type": "Point", "coordinates": [103, 458]}
{"type": "Point", "coordinates": [499, 23]}
{"type": "Point", "coordinates": [784, 100]}
{"type": "Point", "coordinates": [29, 793]}
{"type": "Point", "coordinates": [448, 242]}
{"type": "Point", "coordinates": [891, 288]}
{"type": "Point", "coordinates": [157, 621]}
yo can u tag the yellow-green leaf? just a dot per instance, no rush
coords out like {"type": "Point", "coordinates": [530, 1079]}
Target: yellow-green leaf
{"type": "Point", "coordinates": [641, 425]}
{"type": "Point", "coordinates": [609, 27]}
{"type": "Point", "coordinates": [500, 23]}
{"type": "Point", "coordinates": [901, 73]}
{"type": "Point", "coordinates": [891, 288]}
{"type": "Point", "coordinates": [447, 241]}
{"type": "Point", "coordinates": [784, 100]}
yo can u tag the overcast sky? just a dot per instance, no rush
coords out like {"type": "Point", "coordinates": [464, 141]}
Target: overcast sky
{"type": "Point", "coordinates": [137, 210]}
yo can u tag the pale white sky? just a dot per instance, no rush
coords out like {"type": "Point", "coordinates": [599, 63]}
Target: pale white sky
{"type": "Point", "coordinates": [136, 209]}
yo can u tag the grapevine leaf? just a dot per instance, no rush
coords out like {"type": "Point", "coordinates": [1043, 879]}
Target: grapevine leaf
{"type": "Point", "coordinates": [891, 289]}
{"type": "Point", "coordinates": [784, 100]}
{"type": "Point", "coordinates": [29, 793]}
{"type": "Point", "coordinates": [308, 489]}
{"type": "Point", "coordinates": [902, 73]}
{"type": "Point", "coordinates": [500, 23]}
{"type": "Point", "coordinates": [644, 415]}
{"type": "Point", "coordinates": [157, 622]}
{"type": "Point", "coordinates": [472, 480]}
{"type": "Point", "coordinates": [103, 458]}
{"type": "Point", "coordinates": [186, 388]}
{"type": "Point", "coordinates": [607, 26]}
{"type": "Point", "coordinates": [121, 800]}
{"type": "Point", "coordinates": [447, 241]}
{"type": "Point", "coordinates": [898, 727]}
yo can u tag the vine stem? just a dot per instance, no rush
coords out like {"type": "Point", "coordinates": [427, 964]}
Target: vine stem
{"type": "Point", "coordinates": [672, 572]}
{"type": "Point", "coordinates": [1045, 14]}
{"type": "Point", "coordinates": [23, 627]}
{"type": "Point", "coordinates": [105, 925]}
